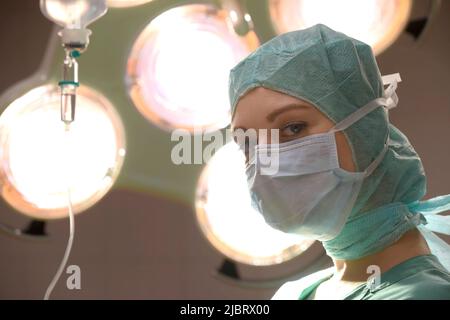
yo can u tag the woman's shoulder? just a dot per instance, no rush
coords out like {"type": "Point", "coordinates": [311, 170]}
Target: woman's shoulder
{"type": "Point", "coordinates": [430, 281]}
{"type": "Point", "coordinates": [291, 290]}
{"type": "Point", "coordinates": [433, 284]}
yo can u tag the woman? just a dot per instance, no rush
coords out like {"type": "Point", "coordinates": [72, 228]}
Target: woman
{"type": "Point", "coordinates": [346, 176]}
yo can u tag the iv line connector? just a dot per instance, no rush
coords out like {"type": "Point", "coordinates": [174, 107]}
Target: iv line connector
{"type": "Point", "coordinates": [68, 87]}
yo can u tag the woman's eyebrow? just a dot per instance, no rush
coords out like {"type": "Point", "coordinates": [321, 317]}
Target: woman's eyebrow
{"type": "Point", "coordinates": [271, 116]}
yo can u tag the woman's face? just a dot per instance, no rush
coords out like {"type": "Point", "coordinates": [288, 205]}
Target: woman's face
{"type": "Point", "coordinates": [263, 108]}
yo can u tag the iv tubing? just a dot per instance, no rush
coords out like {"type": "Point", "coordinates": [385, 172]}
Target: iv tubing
{"type": "Point", "coordinates": [69, 242]}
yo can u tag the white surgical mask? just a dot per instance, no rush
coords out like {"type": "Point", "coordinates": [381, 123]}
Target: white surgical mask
{"type": "Point", "coordinates": [310, 194]}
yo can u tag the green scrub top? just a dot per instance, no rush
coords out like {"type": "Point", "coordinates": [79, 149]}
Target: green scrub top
{"type": "Point", "coordinates": [419, 278]}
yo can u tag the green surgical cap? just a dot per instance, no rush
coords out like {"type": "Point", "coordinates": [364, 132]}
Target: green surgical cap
{"type": "Point", "coordinates": [338, 74]}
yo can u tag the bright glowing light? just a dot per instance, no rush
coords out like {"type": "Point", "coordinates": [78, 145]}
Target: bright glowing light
{"type": "Point", "coordinates": [73, 13]}
{"type": "Point", "coordinates": [179, 67]}
{"type": "Point", "coordinates": [375, 22]}
{"type": "Point", "coordinates": [39, 160]}
{"type": "Point", "coordinates": [228, 220]}
{"type": "Point", "coordinates": [125, 3]}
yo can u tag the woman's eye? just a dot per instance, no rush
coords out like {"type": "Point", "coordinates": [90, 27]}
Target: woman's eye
{"type": "Point", "coordinates": [292, 129]}
{"type": "Point", "coordinates": [244, 147]}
